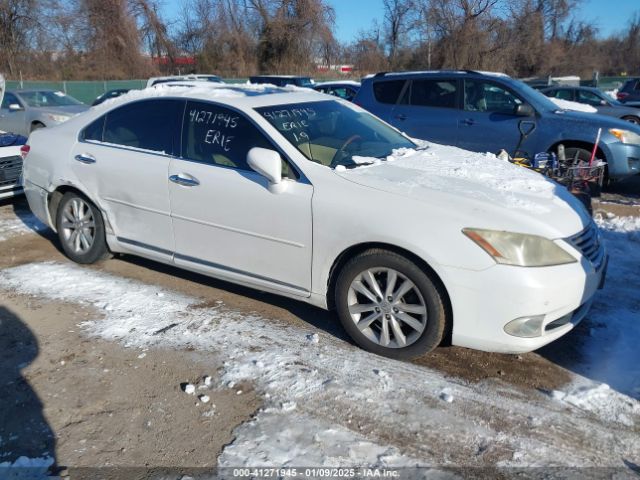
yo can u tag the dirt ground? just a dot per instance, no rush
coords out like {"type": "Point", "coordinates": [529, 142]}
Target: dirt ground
{"type": "Point", "coordinates": [90, 402]}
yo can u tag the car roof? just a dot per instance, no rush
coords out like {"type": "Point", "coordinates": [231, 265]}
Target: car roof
{"type": "Point", "coordinates": [280, 76]}
{"type": "Point", "coordinates": [245, 96]}
{"type": "Point", "coordinates": [29, 90]}
{"type": "Point", "coordinates": [351, 83]}
{"type": "Point", "coordinates": [417, 73]}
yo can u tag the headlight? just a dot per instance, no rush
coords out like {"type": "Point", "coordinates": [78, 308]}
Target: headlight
{"type": "Point", "coordinates": [519, 249]}
{"type": "Point", "coordinates": [58, 118]}
{"type": "Point", "coordinates": [625, 136]}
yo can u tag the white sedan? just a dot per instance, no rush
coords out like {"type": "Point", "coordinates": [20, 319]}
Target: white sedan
{"type": "Point", "coordinates": [287, 191]}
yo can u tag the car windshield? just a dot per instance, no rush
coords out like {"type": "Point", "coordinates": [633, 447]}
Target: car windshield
{"type": "Point", "coordinates": [331, 133]}
{"type": "Point", "coordinates": [540, 98]}
{"type": "Point", "coordinates": [48, 98]}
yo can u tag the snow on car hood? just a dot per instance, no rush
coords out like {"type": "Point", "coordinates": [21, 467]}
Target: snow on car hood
{"type": "Point", "coordinates": [483, 180]}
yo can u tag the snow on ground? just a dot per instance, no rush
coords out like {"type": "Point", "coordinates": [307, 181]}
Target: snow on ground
{"type": "Point", "coordinates": [26, 468]}
{"type": "Point", "coordinates": [21, 223]}
{"type": "Point", "coordinates": [568, 105]}
{"type": "Point", "coordinates": [328, 403]}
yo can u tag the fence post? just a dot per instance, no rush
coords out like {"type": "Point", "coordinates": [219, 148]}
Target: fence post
{"type": "Point", "coordinates": [64, 86]}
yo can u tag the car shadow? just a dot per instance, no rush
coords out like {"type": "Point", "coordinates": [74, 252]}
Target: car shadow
{"type": "Point", "coordinates": [603, 347]}
{"type": "Point", "coordinates": [314, 316]}
{"type": "Point", "coordinates": [22, 211]}
{"type": "Point", "coordinates": [24, 431]}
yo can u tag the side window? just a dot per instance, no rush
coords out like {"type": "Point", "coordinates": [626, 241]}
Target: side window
{"type": "Point", "coordinates": [434, 93]}
{"type": "Point", "coordinates": [589, 98]}
{"type": "Point", "coordinates": [220, 136]}
{"type": "Point", "coordinates": [389, 91]}
{"type": "Point", "coordinates": [488, 97]}
{"type": "Point", "coordinates": [148, 124]}
{"type": "Point", "coordinates": [9, 98]}
{"type": "Point", "coordinates": [94, 130]}
{"type": "Point", "coordinates": [564, 94]}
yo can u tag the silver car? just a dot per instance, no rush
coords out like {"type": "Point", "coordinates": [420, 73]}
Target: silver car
{"type": "Point", "coordinates": [23, 111]}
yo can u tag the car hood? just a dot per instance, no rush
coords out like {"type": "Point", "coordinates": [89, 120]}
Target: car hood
{"type": "Point", "coordinates": [66, 110]}
{"type": "Point", "coordinates": [597, 120]}
{"type": "Point", "coordinates": [479, 189]}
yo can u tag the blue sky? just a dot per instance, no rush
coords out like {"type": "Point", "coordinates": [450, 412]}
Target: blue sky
{"type": "Point", "coordinates": [352, 16]}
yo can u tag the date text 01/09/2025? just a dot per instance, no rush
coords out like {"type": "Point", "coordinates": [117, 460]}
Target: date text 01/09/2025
{"type": "Point", "coordinates": [316, 472]}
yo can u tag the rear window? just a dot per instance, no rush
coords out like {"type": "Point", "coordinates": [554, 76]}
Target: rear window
{"type": "Point", "coordinates": [389, 91]}
{"type": "Point", "coordinates": [434, 93]}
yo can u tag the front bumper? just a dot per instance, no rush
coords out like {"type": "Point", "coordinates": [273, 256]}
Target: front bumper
{"type": "Point", "coordinates": [485, 301]}
{"type": "Point", "coordinates": [623, 160]}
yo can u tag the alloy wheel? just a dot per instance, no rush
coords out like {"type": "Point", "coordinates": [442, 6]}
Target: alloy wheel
{"type": "Point", "coordinates": [387, 307]}
{"type": "Point", "coordinates": [78, 225]}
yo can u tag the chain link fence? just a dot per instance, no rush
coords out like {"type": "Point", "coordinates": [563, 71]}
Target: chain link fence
{"type": "Point", "coordinates": [87, 91]}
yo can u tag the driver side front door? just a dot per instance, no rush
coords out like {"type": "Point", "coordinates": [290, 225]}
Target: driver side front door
{"type": "Point", "coordinates": [489, 122]}
{"type": "Point", "coordinates": [226, 221]}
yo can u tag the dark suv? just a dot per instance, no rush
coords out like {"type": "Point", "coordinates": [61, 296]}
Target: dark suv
{"type": "Point", "coordinates": [487, 112]}
{"type": "Point", "coordinates": [630, 91]}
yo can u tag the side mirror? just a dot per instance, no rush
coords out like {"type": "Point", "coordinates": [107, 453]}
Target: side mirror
{"type": "Point", "coordinates": [268, 164]}
{"type": "Point", "coordinates": [14, 107]}
{"type": "Point", "coordinates": [524, 110]}
{"type": "Point", "coordinates": [604, 103]}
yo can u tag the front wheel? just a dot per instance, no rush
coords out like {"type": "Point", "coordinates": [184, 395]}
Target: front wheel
{"type": "Point", "coordinates": [81, 229]}
{"type": "Point", "coordinates": [389, 305]}
{"type": "Point", "coordinates": [632, 119]}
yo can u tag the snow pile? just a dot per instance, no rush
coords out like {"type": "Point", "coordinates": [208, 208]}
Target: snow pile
{"type": "Point", "coordinates": [601, 400]}
{"type": "Point", "coordinates": [575, 106]}
{"type": "Point", "coordinates": [198, 88]}
{"type": "Point", "coordinates": [481, 176]}
{"type": "Point", "coordinates": [328, 403]}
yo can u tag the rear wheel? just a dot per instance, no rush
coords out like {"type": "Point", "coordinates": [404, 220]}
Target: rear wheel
{"type": "Point", "coordinates": [389, 305]}
{"type": "Point", "coordinates": [81, 229]}
{"type": "Point", "coordinates": [37, 126]}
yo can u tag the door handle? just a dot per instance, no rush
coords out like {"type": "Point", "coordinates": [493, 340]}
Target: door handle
{"type": "Point", "coordinates": [185, 181]}
{"type": "Point", "coordinates": [468, 122]}
{"type": "Point", "coordinates": [400, 116]}
{"type": "Point", "coordinates": [85, 158]}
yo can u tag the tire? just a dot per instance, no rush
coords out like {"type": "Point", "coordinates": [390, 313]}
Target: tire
{"type": "Point", "coordinates": [88, 244]}
{"type": "Point", "coordinates": [36, 126]}
{"type": "Point", "coordinates": [632, 119]}
{"type": "Point", "coordinates": [424, 294]}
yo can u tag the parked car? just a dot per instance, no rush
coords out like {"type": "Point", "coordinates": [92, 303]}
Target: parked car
{"type": "Point", "coordinates": [301, 202]}
{"type": "Point", "coordinates": [629, 92]}
{"type": "Point", "coordinates": [11, 164]}
{"type": "Point", "coordinates": [10, 158]}
{"type": "Point", "coordinates": [109, 95]}
{"type": "Point", "coordinates": [345, 89]}
{"type": "Point", "coordinates": [282, 80]}
{"type": "Point", "coordinates": [23, 111]}
{"type": "Point", "coordinates": [603, 103]}
{"type": "Point", "coordinates": [191, 77]}
{"type": "Point", "coordinates": [487, 112]}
